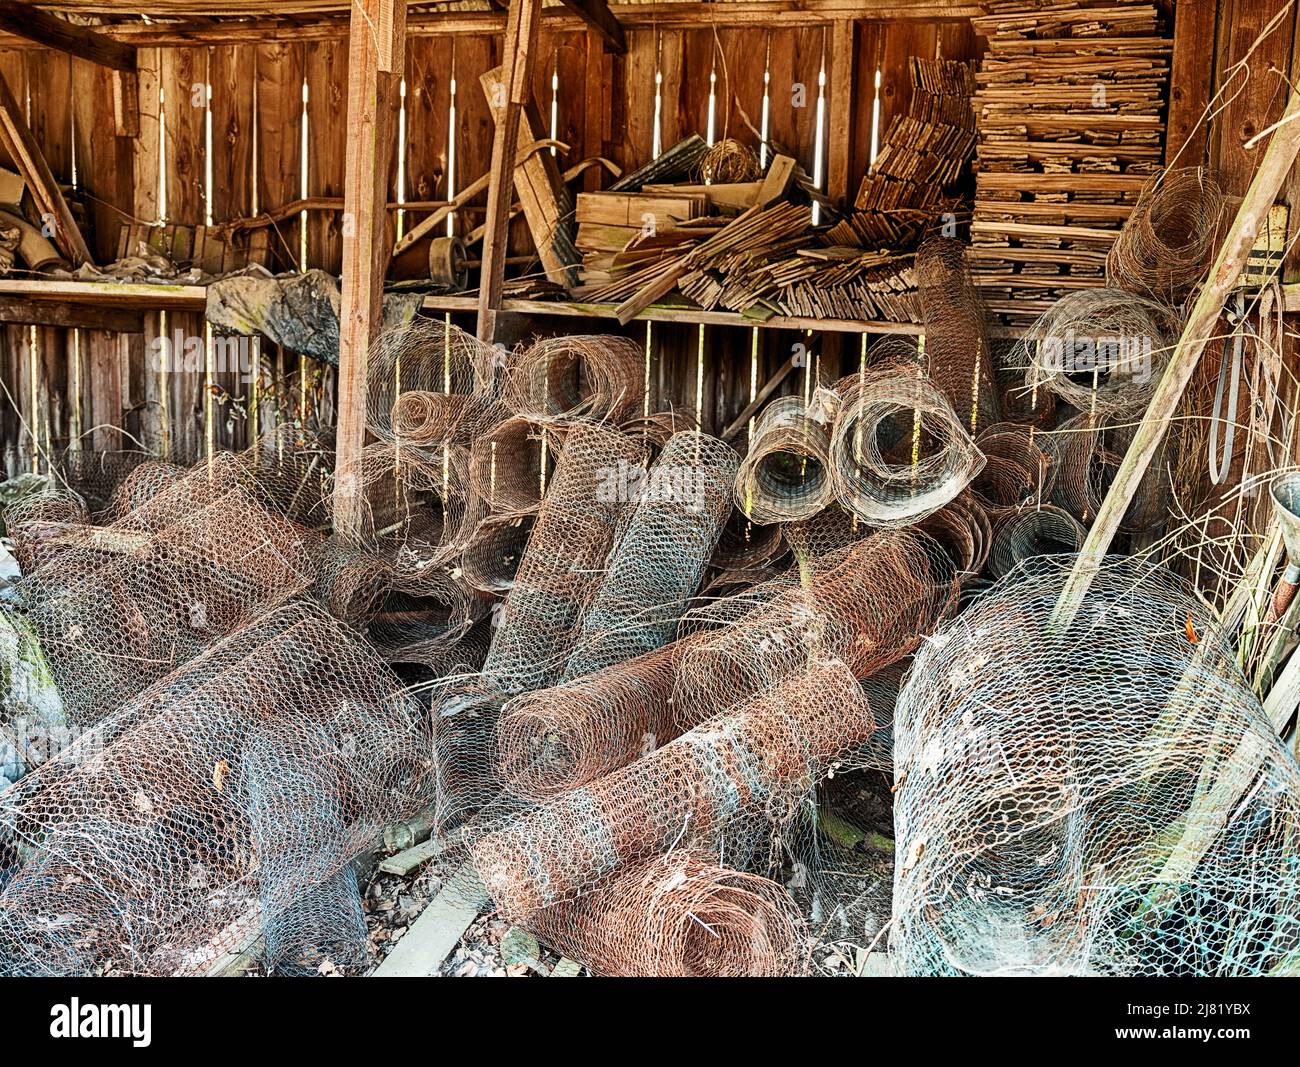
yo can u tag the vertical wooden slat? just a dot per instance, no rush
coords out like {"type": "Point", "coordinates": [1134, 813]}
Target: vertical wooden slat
{"type": "Point", "coordinates": [795, 59]}
{"type": "Point", "coordinates": [739, 86]}
{"type": "Point", "coordinates": [670, 61]}
{"type": "Point", "coordinates": [634, 109]}
{"type": "Point", "coordinates": [327, 87]}
{"type": "Point", "coordinates": [280, 67]}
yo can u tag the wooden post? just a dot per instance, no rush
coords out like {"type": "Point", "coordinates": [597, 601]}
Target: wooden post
{"type": "Point", "coordinates": [517, 75]}
{"type": "Point", "coordinates": [1228, 264]}
{"type": "Point", "coordinates": [377, 45]}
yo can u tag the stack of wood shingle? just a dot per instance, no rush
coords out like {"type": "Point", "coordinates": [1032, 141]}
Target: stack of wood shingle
{"type": "Point", "coordinates": [1068, 111]}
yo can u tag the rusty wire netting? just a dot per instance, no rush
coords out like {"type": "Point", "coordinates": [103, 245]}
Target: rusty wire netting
{"type": "Point", "coordinates": [957, 354]}
{"type": "Point", "coordinates": [510, 465]}
{"type": "Point", "coordinates": [119, 606]}
{"type": "Point", "coordinates": [1017, 470]}
{"type": "Point", "coordinates": [716, 788]}
{"type": "Point", "coordinates": [1164, 248]}
{"type": "Point", "coordinates": [1099, 798]}
{"type": "Point", "coordinates": [1101, 350]}
{"type": "Point", "coordinates": [1040, 530]}
{"type": "Point", "coordinates": [495, 548]}
{"type": "Point", "coordinates": [595, 376]}
{"type": "Point", "coordinates": [898, 451]}
{"type": "Point", "coordinates": [680, 916]}
{"type": "Point", "coordinates": [786, 473]}
{"type": "Point", "coordinates": [427, 357]}
{"type": "Point", "coordinates": [677, 509]}
{"type": "Point", "coordinates": [867, 604]}
{"type": "Point", "coordinates": [1084, 465]}
{"type": "Point", "coordinates": [180, 827]}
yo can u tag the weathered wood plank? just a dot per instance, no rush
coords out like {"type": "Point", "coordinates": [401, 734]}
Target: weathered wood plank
{"type": "Point", "coordinates": [437, 931]}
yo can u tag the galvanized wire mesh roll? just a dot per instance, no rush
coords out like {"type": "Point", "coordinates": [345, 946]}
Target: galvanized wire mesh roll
{"type": "Point", "coordinates": [598, 377]}
{"type": "Point", "coordinates": [678, 507]}
{"type": "Point", "coordinates": [680, 916]}
{"type": "Point", "coordinates": [1109, 799]}
{"type": "Point", "coordinates": [786, 473]}
{"type": "Point", "coordinates": [1102, 350]}
{"type": "Point", "coordinates": [1164, 249]}
{"type": "Point", "coordinates": [898, 451]}
{"type": "Point", "coordinates": [563, 562]}
{"type": "Point", "coordinates": [1083, 463]}
{"type": "Point", "coordinates": [1044, 530]}
{"type": "Point", "coordinates": [1017, 470]}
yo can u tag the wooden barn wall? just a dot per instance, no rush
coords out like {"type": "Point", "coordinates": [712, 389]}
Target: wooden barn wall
{"type": "Point", "coordinates": [106, 391]}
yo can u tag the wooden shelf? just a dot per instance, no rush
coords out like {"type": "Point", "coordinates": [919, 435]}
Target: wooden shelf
{"type": "Point", "coordinates": [671, 313]}
{"type": "Point", "coordinates": [136, 295]}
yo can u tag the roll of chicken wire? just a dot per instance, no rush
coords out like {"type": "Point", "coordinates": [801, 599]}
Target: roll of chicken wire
{"type": "Point", "coordinates": [1034, 531]}
{"type": "Point", "coordinates": [427, 357]}
{"type": "Point", "coordinates": [786, 473]}
{"type": "Point", "coordinates": [599, 377]}
{"type": "Point", "coordinates": [898, 451]}
{"type": "Point", "coordinates": [1165, 246]}
{"type": "Point", "coordinates": [957, 352]}
{"type": "Point", "coordinates": [563, 562]}
{"type": "Point", "coordinates": [1101, 350]}
{"type": "Point", "coordinates": [1111, 800]}
{"type": "Point", "coordinates": [510, 465]}
{"type": "Point", "coordinates": [752, 764]}
{"type": "Point", "coordinates": [678, 507]}
{"type": "Point", "coordinates": [492, 556]}
{"type": "Point", "coordinates": [680, 916]}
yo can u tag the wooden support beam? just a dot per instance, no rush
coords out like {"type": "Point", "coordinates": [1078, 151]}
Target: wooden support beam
{"type": "Point", "coordinates": [438, 929]}
{"type": "Point", "coordinates": [597, 15]}
{"type": "Point", "coordinates": [516, 80]}
{"type": "Point", "coordinates": [70, 316]}
{"type": "Point", "coordinates": [27, 156]}
{"type": "Point", "coordinates": [376, 45]}
{"type": "Point", "coordinates": [1163, 406]}
{"type": "Point", "coordinates": [1190, 81]}
{"type": "Point", "coordinates": [23, 20]}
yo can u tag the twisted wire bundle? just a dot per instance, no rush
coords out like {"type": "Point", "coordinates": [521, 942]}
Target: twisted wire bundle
{"type": "Point", "coordinates": [1165, 245]}
{"type": "Point", "coordinates": [957, 352]}
{"type": "Point", "coordinates": [597, 377]}
{"type": "Point", "coordinates": [676, 517]}
{"type": "Point", "coordinates": [898, 451]}
{"type": "Point", "coordinates": [786, 472]}
{"type": "Point", "coordinates": [752, 764]}
{"type": "Point", "coordinates": [680, 916]}
{"type": "Point", "coordinates": [1101, 350]}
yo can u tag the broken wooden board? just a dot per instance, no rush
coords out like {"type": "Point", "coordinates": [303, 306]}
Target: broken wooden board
{"type": "Point", "coordinates": [438, 929]}
{"type": "Point", "coordinates": [540, 189]}
{"type": "Point", "coordinates": [409, 859]}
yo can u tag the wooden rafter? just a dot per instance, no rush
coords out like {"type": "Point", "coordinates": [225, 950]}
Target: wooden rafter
{"type": "Point", "coordinates": [597, 15]}
{"type": "Point", "coordinates": [29, 22]}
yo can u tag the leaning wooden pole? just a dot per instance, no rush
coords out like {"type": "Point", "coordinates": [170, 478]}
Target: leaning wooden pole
{"type": "Point", "coordinates": [516, 81]}
{"type": "Point", "coordinates": [1271, 173]}
{"type": "Point", "coordinates": [376, 55]}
